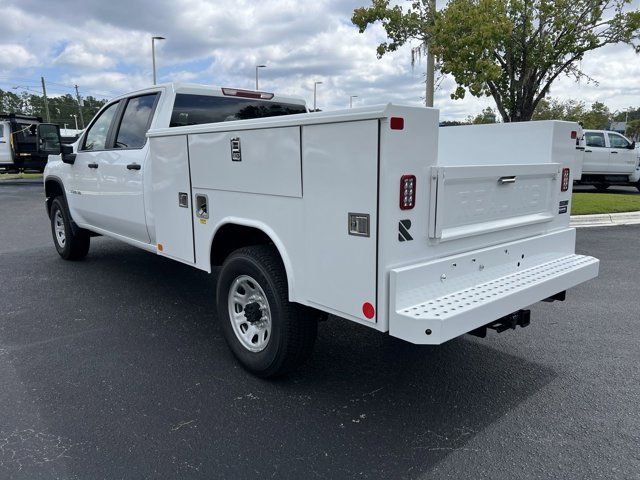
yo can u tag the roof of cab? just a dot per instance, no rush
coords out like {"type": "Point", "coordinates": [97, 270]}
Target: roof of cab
{"type": "Point", "coordinates": [201, 89]}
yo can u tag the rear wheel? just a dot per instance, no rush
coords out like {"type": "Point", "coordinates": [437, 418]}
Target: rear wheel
{"type": "Point", "coordinates": [269, 335]}
{"type": "Point", "coordinates": [72, 243]}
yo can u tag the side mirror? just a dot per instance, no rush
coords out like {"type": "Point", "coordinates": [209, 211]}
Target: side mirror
{"type": "Point", "coordinates": [48, 139]}
{"type": "Point", "coordinates": [632, 146]}
{"type": "Point", "coordinates": [67, 154]}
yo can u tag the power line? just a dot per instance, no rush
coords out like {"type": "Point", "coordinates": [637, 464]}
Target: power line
{"type": "Point", "coordinates": [13, 80]}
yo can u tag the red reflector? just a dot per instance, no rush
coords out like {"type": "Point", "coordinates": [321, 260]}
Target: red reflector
{"type": "Point", "coordinates": [368, 310]}
{"type": "Point", "coordinates": [234, 92]}
{"type": "Point", "coordinates": [574, 134]}
{"type": "Point", "coordinates": [407, 192]}
{"type": "Point", "coordinates": [397, 123]}
{"type": "Point", "coordinates": [565, 180]}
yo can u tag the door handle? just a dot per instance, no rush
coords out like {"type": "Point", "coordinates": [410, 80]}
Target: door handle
{"type": "Point", "coordinates": [92, 165]}
{"type": "Point", "coordinates": [506, 180]}
{"type": "Point", "coordinates": [587, 151]}
{"type": "Point", "coordinates": [133, 166]}
{"type": "Point", "coordinates": [614, 152]}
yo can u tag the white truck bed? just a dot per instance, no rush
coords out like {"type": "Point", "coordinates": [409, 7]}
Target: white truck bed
{"type": "Point", "coordinates": [489, 232]}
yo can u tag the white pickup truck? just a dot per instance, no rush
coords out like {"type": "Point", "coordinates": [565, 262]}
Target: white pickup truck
{"type": "Point", "coordinates": [609, 159]}
{"type": "Point", "coordinates": [372, 214]}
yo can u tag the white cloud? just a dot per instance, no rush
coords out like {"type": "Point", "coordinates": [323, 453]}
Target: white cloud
{"type": "Point", "coordinates": [13, 55]}
{"type": "Point", "coordinates": [77, 55]}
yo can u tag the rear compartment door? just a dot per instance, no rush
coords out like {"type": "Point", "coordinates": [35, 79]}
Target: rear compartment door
{"type": "Point", "coordinates": [473, 200]}
{"type": "Point", "coordinates": [340, 183]}
{"type": "Point", "coordinates": [171, 197]}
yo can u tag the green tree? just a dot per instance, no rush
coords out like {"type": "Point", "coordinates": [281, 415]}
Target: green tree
{"type": "Point", "coordinates": [633, 129]}
{"type": "Point", "coordinates": [597, 118]}
{"type": "Point", "coordinates": [413, 25]}
{"type": "Point", "coordinates": [61, 108]}
{"type": "Point", "coordinates": [488, 115]}
{"type": "Point", "coordinates": [556, 109]}
{"type": "Point", "coordinates": [627, 115]}
{"type": "Point", "coordinates": [511, 50]}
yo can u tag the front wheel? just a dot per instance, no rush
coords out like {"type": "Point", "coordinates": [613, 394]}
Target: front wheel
{"type": "Point", "coordinates": [72, 243]}
{"type": "Point", "coordinates": [269, 335]}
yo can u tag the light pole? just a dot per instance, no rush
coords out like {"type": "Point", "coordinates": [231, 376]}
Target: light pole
{"type": "Point", "coordinates": [153, 54]}
{"type": "Point", "coordinates": [258, 67]}
{"type": "Point", "coordinates": [351, 97]}
{"type": "Point", "coordinates": [315, 94]}
{"type": "Point", "coordinates": [430, 76]}
{"type": "Point", "coordinates": [75, 117]}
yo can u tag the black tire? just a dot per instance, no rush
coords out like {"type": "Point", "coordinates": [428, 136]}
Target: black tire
{"type": "Point", "coordinates": [74, 243]}
{"type": "Point", "coordinates": [638, 185]}
{"type": "Point", "coordinates": [293, 327]}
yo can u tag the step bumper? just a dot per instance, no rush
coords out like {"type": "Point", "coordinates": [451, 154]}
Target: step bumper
{"type": "Point", "coordinates": [433, 314]}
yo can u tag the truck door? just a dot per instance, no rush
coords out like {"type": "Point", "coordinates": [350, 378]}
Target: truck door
{"type": "Point", "coordinates": [596, 153]}
{"type": "Point", "coordinates": [120, 170]}
{"type": "Point", "coordinates": [5, 144]}
{"type": "Point", "coordinates": [82, 184]}
{"type": "Point", "coordinates": [622, 159]}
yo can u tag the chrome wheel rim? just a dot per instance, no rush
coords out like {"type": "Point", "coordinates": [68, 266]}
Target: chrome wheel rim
{"type": "Point", "coordinates": [249, 313]}
{"type": "Point", "coordinates": [58, 228]}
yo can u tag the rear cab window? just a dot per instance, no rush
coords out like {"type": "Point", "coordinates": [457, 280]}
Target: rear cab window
{"type": "Point", "coordinates": [132, 132]}
{"type": "Point", "coordinates": [594, 139]}
{"type": "Point", "coordinates": [193, 109]}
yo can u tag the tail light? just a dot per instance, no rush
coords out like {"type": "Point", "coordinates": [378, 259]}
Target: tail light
{"type": "Point", "coordinates": [407, 192]}
{"type": "Point", "coordinates": [565, 180]}
{"type": "Point", "coordinates": [396, 123]}
{"type": "Point", "coordinates": [574, 134]}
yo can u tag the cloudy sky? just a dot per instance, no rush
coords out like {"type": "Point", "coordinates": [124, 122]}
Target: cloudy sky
{"type": "Point", "coordinates": [104, 47]}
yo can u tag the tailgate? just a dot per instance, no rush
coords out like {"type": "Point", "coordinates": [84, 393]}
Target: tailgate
{"type": "Point", "coordinates": [476, 199]}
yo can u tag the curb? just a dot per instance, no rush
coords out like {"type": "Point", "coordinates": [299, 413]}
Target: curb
{"type": "Point", "coordinates": [605, 220]}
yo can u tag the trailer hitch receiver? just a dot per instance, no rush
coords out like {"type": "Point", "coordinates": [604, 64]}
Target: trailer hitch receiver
{"type": "Point", "coordinates": [520, 318]}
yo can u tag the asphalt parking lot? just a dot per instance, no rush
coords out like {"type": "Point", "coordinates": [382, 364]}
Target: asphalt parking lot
{"type": "Point", "coordinates": [114, 367]}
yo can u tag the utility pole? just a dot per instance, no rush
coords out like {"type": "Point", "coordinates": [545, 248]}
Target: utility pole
{"type": "Point", "coordinates": [46, 102]}
{"type": "Point", "coordinates": [351, 97]}
{"type": "Point", "coordinates": [429, 80]}
{"type": "Point", "coordinates": [80, 105]}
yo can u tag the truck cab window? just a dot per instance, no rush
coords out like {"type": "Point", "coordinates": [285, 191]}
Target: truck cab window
{"type": "Point", "coordinates": [1, 131]}
{"type": "Point", "coordinates": [135, 122]}
{"type": "Point", "coordinates": [96, 138]}
{"type": "Point", "coordinates": [617, 141]}
{"type": "Point", "coordinates": [198, 109]}
{"type": "Point", "coordinates": [594, 139]}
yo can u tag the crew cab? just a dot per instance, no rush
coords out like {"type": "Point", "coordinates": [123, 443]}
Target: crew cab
{"type": "Point", "coordinates": [372, 214]}
{"type": "Point", "coordinates": [18, 151]}
{"type": "Point", "coordinates": [609, 159]}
